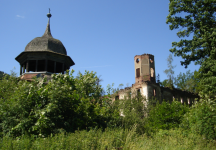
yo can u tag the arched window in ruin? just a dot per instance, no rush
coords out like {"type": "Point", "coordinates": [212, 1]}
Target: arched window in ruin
{"type": "Point", "coordinates": [151, 60]}
{"type": "Point", "coordinates": [152, 72]}
{"type": "Point", "coordinates": [182, 100]}
{"type": "Point", "coordinates": [138, 72]}
{"type": "Point", "coordinates": [154, 92]}
{"type": "Point", "coordinates": [138, 92]}
{"type": "Point", "coordinates": [117, 97]}
{"type": "Point", "coordinates": [189, 101]}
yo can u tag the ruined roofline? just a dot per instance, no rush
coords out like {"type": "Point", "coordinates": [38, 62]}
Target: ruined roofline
{"type": "Point", "coordinates": [144, 55]}
{"type": "Point", "coordinates": [147, 82]}
{"type": "Point", "coordinates": [125, 89]}
{"type": "Point", "coordinates": [166, 88]}
{"type": "Point", "coordinates": [178, 90]}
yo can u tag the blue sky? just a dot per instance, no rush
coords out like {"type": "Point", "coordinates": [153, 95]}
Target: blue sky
{"type": "Point", "coordinates": [99, 35]}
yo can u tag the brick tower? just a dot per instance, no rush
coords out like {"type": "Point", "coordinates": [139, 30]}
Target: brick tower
{"type": "Point", "coordinates": [144, 68]}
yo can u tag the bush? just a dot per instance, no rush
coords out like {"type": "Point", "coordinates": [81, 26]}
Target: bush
{"type": "Point", "coordinates": [201, 119]}
{"type": "Point", "coordinates": [165, 116]}
{"type": "Point", "coordinates": [133, 112]}
{"type": "Point", "coordinates": [64, 103]}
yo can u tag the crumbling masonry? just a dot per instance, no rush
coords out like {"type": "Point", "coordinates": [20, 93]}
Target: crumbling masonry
{"type": "Point", "coordinates": [146, 85]}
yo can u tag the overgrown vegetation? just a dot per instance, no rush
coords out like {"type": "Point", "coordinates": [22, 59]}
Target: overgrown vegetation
{"type": "Point", "coordinates": [66, 103]}
{"type": "Point", "coordinates": [166, 116]}
{"type": "Point", "coordinates": [70, 113]}
{"type": "Point", "coordinates": [188, 81]}
{"type": "Point", "coordinates": [74, 113]}
{"type": "Point", "coordinates": [111, 139]}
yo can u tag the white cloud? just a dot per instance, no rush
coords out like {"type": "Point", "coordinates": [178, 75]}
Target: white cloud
{"type": "Point", "coordinates": [96, 66]}
{"type": "Point", "coordinates": [18, 16]}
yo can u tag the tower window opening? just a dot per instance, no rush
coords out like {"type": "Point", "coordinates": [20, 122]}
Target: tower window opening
{"type": "Point", "coordinates": [154, 92]}
{"type": "Point", "coordinates": [117, 97]}
{"type": "Point", "coordinates": [138, 91]}
{"type": "Point", "coordinates": [189, 101]}
{"type": "Point", "coordinates": [138, 72]}
{"type": "Point", "coordinates": [152, 72]}
{"type": "Point", "coordinates": [182, 100]}
{"type": "Point", "coordinates": [137, 60]}
{"type": "Point", "coordinates": [151, 60]}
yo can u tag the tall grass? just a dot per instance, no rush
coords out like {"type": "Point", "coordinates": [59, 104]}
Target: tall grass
{"type": "Point", "coordinates": [111, 139]}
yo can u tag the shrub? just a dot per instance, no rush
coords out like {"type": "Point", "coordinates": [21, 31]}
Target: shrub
{"type": "Point", "coordinates": [64, 103]}
{"type": "Point", "coordinates": [165, 116]}
{"type": "Point", "coordinates": [132, 112]}
{"type": "Point", "coordinates": [201, 118]}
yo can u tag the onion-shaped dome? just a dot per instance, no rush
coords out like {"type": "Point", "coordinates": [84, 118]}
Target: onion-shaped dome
{"type": "Point", "coordinates": [46, 42]}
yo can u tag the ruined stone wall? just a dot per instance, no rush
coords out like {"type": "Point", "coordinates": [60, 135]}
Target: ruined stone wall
{"type": "Point", "coordinates": [145, 84]}
{"type": "Point", "coordinates": [176, 94]}
{"type": "Point", "coordinates": [122, 94]}
{"type": "Point", "coordinates": [154, 92]}
{"type": "Point", "coordinates": [141, 87]}
{"type": "Point", "coordinates": [166, 94]}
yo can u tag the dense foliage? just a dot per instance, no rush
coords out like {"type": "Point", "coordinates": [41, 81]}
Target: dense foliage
{"type": "Point", "coordinates": [133, 111]}
{"type": "Point", "coordinates": [187, 81]}
{"type": "Point", "coordinates": [166, 116]}
{"type": "Point", "coordinates": [1, 74]}
{"type": "Point", "coordinates": [41, 108]}
{"type": "Point", "coordinates": [207, 77]}
{"type": "Point", "coordinates": [69, 104]}
{"type": "Point", "coordinates": [74, 113]}
{"type": "Point", "coordinates": [201, 119]}
{"type": "Point", "coordinates": [199, 21]}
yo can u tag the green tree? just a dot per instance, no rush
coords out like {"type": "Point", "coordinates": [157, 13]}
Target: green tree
{"type": "Point", "coordinates": [164, 83]}
{"type": "Point", "coordinates": [207, 78]}
{"type": "Point", "coordinates": [186, 81]}
{"type": "Point", "coordinates": [111, 90]}
{"type": "Point", "coordinates": [199, 20]}
{"type": "Point", "coordinates": [7, 84]}
{"type": "Point", "coordinates": [88, 85]}
{"type": "Point", "coordinates": [169, 72]}
{"type": "Point", "coordinates": [1, 74]}
{"type": "Point", "coordinates": [64, 103]}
